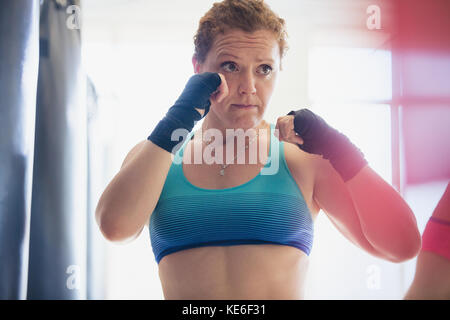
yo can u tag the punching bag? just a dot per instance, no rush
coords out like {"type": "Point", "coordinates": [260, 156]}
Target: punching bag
{"type": "Point", "coordinates": [57, 262]}
{"type": "Point", "coordinates": [19, 60]}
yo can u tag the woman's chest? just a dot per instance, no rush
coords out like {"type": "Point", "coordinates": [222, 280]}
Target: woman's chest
{"type": "Point", "coordinates": [208, 176]}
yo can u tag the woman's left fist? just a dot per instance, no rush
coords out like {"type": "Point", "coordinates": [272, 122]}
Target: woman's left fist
{"type": "Point", "coordinates": [284, 130]}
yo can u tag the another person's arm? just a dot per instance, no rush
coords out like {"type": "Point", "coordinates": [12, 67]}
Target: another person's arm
{"type": "Point", "coordinates": [432, 277]}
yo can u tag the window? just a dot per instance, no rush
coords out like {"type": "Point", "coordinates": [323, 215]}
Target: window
{"type": "Point", "coordinates": [351, 89]}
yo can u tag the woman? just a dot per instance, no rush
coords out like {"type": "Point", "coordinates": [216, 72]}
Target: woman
{"type": "Point", "coordinates": [224, 230]}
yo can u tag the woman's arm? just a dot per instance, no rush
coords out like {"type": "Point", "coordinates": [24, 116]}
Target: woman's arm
{"type": "Point", "coordinates": [386, 219]}
{"type": "Point", "coordinates": [356, 198]}
{"type": "Point", "coordinates": [343, 207]}
{"type": "Point", "coordinates": [131, 196]}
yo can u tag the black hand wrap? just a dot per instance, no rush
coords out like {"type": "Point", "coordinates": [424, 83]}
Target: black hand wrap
{"type": "Point", "coordinates": [182, 114]}
{"type": "Point", "coordinates": [322, 139]}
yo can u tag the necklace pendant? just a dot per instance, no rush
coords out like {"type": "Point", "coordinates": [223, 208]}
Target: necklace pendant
{"type": "Point", "coordinates": [222, 172]}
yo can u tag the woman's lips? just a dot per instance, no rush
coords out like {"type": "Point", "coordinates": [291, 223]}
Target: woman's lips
{"type": "Point", "coordinates": [243, 106]}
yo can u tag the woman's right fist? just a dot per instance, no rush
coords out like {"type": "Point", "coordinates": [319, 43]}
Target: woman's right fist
{"type": "Point", "coordinates": [222, 90]}
{"type": "Point", "coordinates": [218, 95]}
{"type": "Point", "coordinates": [192, 105]}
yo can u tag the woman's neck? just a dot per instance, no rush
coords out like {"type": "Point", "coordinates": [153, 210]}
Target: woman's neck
{"type": "Point", "coordinates": [263, 125]}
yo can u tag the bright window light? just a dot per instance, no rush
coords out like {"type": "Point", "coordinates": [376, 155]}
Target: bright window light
{"type": "Point", "coordinates": [351, 89]}
{"type": "Point", "coordinates": [349, 74]}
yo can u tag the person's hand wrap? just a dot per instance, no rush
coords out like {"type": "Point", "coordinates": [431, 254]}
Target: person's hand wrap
{"type": "Point", "coordinates": [182, 114]}
{"type": "Point", "coordinates": [321, 139]}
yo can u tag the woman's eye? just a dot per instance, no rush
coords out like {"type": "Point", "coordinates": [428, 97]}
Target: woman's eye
{"type": "Point", "coordinates": [228, 66]}
{"type": "Point", "coordinates": [266, 69]}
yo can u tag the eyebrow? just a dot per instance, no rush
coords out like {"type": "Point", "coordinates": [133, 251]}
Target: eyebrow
{"type": "Point", "coordinates": [232, 55]}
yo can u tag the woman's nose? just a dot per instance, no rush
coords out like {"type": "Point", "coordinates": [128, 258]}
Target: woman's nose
{"type": "Point", "coordinates": [247, 84]}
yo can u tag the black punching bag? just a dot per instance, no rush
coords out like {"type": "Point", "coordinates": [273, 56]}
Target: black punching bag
{"type": "Point", "coordinates": [57, 266]}
{"type": "Point", "coordinates": [19, 60]}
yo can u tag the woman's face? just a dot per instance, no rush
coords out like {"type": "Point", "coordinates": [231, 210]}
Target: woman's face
{"type": "Point", "coordinates": [250, 63]}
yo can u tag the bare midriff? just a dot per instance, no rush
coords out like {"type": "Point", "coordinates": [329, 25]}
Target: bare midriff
{"type": "Point", "coordinates": [241, 272]}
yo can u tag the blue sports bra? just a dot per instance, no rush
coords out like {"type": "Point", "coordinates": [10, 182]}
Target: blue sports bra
{"type": "Point", "coordinates": [269, 209]}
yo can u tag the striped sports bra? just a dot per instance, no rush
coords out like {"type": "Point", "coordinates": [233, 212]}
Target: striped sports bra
{"type": "Point", "coordinates": [269, 209]}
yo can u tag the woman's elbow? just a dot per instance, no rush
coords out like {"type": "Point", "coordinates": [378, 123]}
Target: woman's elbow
{"type": "Point", "coordinates": [409, 251]}
{"type": "Point", "coordinates": [112, 230]}
{"type": "Point", "coordinates": [118, 236]}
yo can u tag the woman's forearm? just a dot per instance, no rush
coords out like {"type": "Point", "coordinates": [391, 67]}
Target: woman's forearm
{"type": "Point", "coordinates": [386, 219]}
